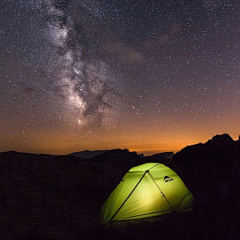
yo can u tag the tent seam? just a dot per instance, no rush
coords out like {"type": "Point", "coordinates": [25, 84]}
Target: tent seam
{"type": "Point", "coordinates": [127, 198]}
{"type": "Point", "coordinates": [162, 193]}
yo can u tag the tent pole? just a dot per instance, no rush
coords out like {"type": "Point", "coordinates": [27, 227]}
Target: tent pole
{"type": "Point", "coordinates": [127, 197]}
{"type": "Point", "coordinates": [161, 191]}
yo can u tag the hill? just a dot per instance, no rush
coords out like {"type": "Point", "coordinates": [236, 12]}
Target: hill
{"type": "Point", "coordinates": [88, 154]}
{"type": "Point", "coordinates": [59, 197]}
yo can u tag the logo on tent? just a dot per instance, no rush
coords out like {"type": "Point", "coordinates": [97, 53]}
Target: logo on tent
{"type": "Point", "coordinates": [167, 179]}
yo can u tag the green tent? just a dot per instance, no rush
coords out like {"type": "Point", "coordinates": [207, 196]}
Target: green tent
{"type": "Point", "coordinates": [147, 190]}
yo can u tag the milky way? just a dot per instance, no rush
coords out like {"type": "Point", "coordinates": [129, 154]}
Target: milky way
{"type": "Point", "coordinates": [84, 82]}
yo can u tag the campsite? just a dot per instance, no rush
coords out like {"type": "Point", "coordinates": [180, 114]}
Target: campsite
{"type": "Point", "coordinates": [60, 197]}
{"type": "Point", "coordinates": [119, 119]}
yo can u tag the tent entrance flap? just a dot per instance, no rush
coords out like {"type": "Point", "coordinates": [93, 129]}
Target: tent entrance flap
{"type": "Point", "coordinates": [127, 198]}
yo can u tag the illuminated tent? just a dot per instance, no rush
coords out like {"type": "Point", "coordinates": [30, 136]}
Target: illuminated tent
{"type": "Point", "coordinates": [147, 190]}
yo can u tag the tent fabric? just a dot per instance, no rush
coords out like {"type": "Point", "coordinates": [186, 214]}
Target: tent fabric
{"type": "Point", "coordinates": [147, 190]}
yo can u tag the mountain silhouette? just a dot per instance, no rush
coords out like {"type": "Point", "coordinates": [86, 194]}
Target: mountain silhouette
{"type": "Point", "coordinates": [88, 154]}
{"type": "Point", "coordinates": [60, 196]}
{"type": "Point", "coordinates": [211, 171]}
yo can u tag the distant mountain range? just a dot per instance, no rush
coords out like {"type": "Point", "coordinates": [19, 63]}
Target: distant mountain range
{"type": "Point", "coordinates": [88, 154]}
{"type": "Point", "coordinates": [92, 154]}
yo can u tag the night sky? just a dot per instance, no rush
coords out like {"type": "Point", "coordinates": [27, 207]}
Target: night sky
{"type": "Point", "coordinates": [150, 76]}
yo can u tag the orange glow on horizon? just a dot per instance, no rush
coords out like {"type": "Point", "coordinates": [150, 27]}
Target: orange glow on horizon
{"type": "Point", "coordinates": [145, 142]}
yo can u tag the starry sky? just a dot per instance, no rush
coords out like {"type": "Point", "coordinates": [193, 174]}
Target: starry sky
{"type": "Point", "coordinates": [150, 76]}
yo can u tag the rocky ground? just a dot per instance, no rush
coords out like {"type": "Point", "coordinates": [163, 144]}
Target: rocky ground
{"type": "Point", "coordinates": [59, 197]}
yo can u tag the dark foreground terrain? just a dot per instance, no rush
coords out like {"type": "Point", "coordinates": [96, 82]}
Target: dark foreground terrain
{"type": "Point", "coordinates": [59, 197]}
